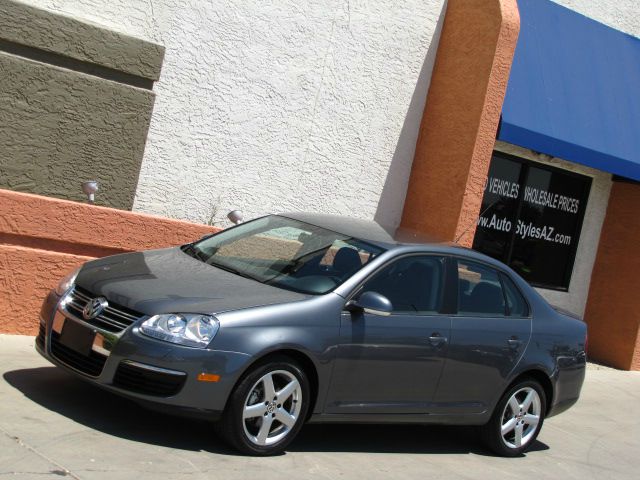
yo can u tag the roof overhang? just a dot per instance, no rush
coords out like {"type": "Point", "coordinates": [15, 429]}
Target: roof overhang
{"type": "Point", "coordinates": [574, 90]}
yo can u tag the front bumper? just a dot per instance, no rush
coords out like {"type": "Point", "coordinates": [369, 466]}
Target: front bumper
{"type": "Point", "coordinates": [149, 371]}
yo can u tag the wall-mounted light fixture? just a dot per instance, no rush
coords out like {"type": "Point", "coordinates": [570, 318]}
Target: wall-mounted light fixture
{"type": "Point", "coordinates": [89, 189]}
{"type": "Point", "coordinates": [235, 216]}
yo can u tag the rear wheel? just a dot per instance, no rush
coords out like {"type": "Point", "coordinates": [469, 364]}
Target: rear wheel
{"type": "Point", "coordinates": [517, 419]}
{"type": "Point", "coordinates": [267, 408]}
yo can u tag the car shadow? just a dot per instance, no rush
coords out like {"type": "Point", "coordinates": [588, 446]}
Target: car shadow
{"type": "Point", "coordinates": [98, 409]}
{"type": "Point", "coordinates": [84, 403]}
{"type": "Point", "coordinates": [426, 439]}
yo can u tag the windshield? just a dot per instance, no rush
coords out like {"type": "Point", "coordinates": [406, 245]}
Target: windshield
{"type": "Point", "coordinates": [285, 253]}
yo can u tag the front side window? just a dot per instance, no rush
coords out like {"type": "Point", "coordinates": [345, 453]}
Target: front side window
{"type": "Point", "coordinates": [286, 253]}
{"type": "Point", "coordinates": [412, 284]}
{"type": "Point", "coordinates": [479, 290]}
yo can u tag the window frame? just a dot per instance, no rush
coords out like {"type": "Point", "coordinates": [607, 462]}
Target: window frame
{"type": "Point", "coordinates": [502, 276]}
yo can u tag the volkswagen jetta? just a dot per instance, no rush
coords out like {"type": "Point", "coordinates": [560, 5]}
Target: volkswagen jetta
{"type": "Point", "coordinates": [298, 317]}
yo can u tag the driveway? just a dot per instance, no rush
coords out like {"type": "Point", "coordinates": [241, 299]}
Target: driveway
{"type": "Point", "coordinates": [52, 424]}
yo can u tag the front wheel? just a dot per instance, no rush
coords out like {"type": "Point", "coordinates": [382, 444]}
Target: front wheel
{"type": "Point", "coordinates": [517, 419]}
{"type": "Point", "coordinates": [267, 408]}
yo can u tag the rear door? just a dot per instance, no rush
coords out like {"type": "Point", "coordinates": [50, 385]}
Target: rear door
{"type": "Point", "coordinates": [489, 334]}
{"type": "Point", "coordinates": [392, 364]}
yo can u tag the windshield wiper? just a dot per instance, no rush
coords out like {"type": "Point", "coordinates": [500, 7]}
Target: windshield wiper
{"type": "Point", "coordinates": [232, 270]}
{"type": "Point", "coordinates": [191, 250]}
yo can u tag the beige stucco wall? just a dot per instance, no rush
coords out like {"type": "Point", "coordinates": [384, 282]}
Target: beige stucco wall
{"type": "Point", "coordinates": [619, 14]}
{"type": "Point", "coordinates": [271, 106]}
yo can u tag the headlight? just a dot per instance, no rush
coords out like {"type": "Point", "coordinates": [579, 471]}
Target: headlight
{"type": "Point", "coordinates": [67, 282]}
{"type": "Point", "coordinates": [190, 329]}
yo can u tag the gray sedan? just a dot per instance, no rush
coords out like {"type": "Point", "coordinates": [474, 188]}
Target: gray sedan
{"type": "Point", "coordinates": [298, 317]}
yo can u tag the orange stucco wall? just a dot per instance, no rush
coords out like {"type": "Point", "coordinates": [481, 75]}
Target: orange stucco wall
{"type": "Point", "coordinates": [460, 120]}
{"type": "Point", "coordinates": [613, 306]}
{"type": "Point", "coordinates": [42, 238]}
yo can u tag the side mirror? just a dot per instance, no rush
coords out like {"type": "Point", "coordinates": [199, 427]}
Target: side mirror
{"type": "Point", "coordinates": [372, 303]}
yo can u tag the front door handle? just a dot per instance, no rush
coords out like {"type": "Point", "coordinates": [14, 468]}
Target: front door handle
{"type": "Point", "coordinates": [514, 342]}
{"type": "Point", "coordinates": [436, 339]}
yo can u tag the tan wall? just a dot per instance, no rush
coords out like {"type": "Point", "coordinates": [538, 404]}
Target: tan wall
{"type": "Point", "coordinates": [461, 117]}
{"type": "Point", "coordinates": [42, 238]}
{"type": "Point", "coordinates": [75, 104]}
{"type": "Point", "coordinates": [613, 307]}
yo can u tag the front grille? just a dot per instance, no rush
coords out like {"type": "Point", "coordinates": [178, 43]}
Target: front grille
{"type": "Point", "coordinates": [115, 318]}
{"type": "Point", "coordinates": [91, 365]}
{"type": "Point", "coordinates": [141, 380]}
{"type": "Point", "coordinates": [40, 337]}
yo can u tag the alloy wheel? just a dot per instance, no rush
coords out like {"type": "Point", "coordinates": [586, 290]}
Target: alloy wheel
{"type": "Point", "coordinates": [272, 407]}
{"type": "Point", "coordinates": [520, 417]}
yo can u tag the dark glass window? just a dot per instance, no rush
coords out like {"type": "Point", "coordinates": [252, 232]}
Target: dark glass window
{"type": "Point", "coordinates": [412, 284]}
{"type": "Point", "coordinates": [531, 219]}
{"type": "Point", "coordinates": [479, 291]}
{"type": "Point", "coordinates": [500, 207]}
{"type": "Point", "coordinates": [516, 304]}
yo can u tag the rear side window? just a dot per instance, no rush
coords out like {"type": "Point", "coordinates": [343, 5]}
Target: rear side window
{"type": "Point", "coordinates": [516, 304]}
{"type": "Point", "coordinates": [479, 291]}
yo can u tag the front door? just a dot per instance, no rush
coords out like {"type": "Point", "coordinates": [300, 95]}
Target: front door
{"type": "Point", "coordinates": [392, 364]}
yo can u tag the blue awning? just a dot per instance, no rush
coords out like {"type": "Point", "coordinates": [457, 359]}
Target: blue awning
{"type": "Point", "coordinates": [574, 90]}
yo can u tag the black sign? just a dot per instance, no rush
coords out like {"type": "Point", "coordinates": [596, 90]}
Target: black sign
{"type": "Point", "coordinates": [531, 219]}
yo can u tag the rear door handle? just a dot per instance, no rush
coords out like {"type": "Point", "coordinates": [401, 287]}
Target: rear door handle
{"type": "Point", "coordinates": [514, 342]}
{"type": "Point", "coordinates": [436, 339]}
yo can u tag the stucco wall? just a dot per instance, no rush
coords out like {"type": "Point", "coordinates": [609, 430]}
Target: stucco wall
{"type": "Point", "coordinates": [42, 238]}
{"type": "Point", "coordinates": [270, 106]}
{"type": "Point", "coordinates": [613, 310]}
{"type": "Point", "coordinates": [460, 119]}
{"type": "Point", "coordinates": [75, 104]}
{"type": "Point", "coordinates": [575, 299]}
{"type": "Point", "coordinates": [620, 14]}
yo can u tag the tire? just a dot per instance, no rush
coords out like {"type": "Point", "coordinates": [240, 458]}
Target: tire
{"type": "Point", "coordinates": [522, 426]}
{"type": "Point", "coordinates": [285, 408]}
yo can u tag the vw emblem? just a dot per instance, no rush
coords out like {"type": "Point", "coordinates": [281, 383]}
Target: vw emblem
{"type": "Point", "coordinates": [94, 308]}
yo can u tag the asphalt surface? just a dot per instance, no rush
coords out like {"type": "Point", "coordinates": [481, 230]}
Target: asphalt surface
{"type": "Point", "coordinates": [52, 424]}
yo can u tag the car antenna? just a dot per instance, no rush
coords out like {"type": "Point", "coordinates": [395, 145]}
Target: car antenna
{"type": "Point", "coordinates": [476, 222]}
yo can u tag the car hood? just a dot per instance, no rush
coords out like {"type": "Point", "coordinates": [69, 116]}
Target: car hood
{"type": "Point", "coordinates": [170, 281]}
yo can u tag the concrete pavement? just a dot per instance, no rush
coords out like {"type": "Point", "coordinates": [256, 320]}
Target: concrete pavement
{"type": "Point", "coordinates": [52, 424]}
